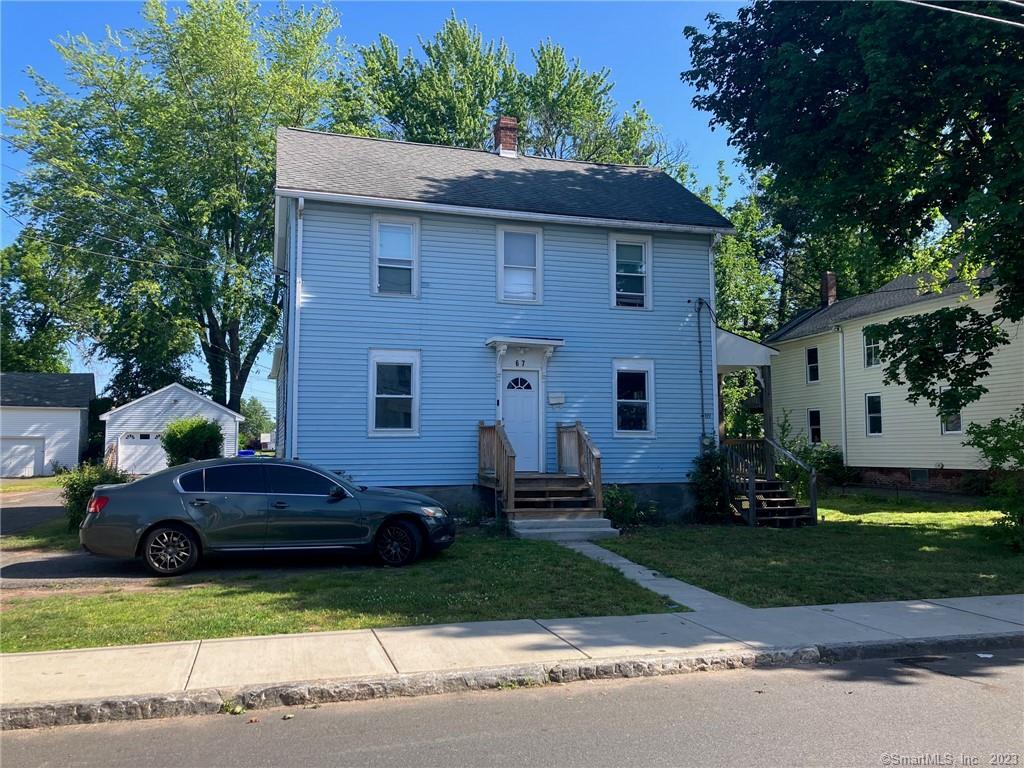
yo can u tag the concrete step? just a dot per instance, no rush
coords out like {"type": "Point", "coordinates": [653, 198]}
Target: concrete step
{"type": "Point", "coordinates": [544, 513]}
{"type": "Point", "coordinates": [563, 530]}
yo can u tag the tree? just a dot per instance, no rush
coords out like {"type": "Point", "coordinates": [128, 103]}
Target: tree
{"type": "Point", "coordinates": [154, 178]}
{"type": "Point", "coordinates": [457, 88]}
{"type": "Point", "coordinates": [893, 125]}
{"type": "Point", "coordinates": [35, 326]}
{"type": "Point", "coordinates": [257, 420]}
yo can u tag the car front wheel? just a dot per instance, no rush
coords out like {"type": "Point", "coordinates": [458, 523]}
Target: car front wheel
{"type": "Point", "coordinates": [398, 543]}
{"type": "Point", "coordinates": [170, 550]}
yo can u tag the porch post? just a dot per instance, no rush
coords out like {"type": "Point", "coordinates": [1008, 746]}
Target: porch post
{"type": "Point", "coordinates": [766, 402]}
{"type": "Point", "coordinates": [721, 409]}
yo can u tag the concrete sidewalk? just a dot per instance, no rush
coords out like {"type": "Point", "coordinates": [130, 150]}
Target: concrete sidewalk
{"type": "Point", "coordinates": [722, 631]}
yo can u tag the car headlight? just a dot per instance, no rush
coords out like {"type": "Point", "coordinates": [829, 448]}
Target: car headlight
{"type": "Point", "coordinates": [434, 511]}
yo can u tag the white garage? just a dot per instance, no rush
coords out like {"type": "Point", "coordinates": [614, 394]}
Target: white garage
{"type": "Point", "coordinates": [44, 421]}
{"type": "Point", "coordinates": [133, 430]}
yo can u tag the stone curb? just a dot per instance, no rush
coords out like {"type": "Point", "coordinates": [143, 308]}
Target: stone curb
{"type": "Point", "coordinates": [212, 701]}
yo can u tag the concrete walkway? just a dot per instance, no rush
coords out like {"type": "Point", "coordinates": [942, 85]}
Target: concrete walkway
{"type": "Point", "coordinates": [388, 654]}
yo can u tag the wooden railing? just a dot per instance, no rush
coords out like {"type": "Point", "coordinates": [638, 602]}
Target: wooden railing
{"type": "Point", "coordinates": [496, 457]}
{"type": "Point", "coordinates": [577, 455]}
{"type": "Point", "coordinates": [781, 454]}
{"type": "Point", "coordinates": [748, 460]}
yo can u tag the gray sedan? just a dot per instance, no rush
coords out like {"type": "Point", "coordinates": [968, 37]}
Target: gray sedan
{"type": "Point", "coordinates": [171, 518]}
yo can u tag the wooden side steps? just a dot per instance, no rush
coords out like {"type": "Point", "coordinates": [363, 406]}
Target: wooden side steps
{"type": "Point", "coordinates": [774, 505]}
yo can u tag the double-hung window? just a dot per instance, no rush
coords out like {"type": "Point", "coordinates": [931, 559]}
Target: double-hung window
{"type": "Point", "coordinates": [872, 348]}
{"type": "Point", "coordinates": [873, 413]}
{"type": "Point", "coordinates": [953, 424]}
{"type": "Point", "coordinates": [630, 257]}
{"type": "Point", "coordinates": [394, 393]}
{"type": "Point", "coordinates": [814, 425]}
{"type": "Point", "coordinates": [634, 397]}
{"type": "Point", "coordinates": [813, 372]}
{"type": "Point", "coordinates": [396, 255]}
{"type": "Point", "coordinates": [520, 264]}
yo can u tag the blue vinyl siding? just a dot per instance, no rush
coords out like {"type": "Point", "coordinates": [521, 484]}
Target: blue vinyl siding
{"type": "Point", "coordinates": [449, 321]}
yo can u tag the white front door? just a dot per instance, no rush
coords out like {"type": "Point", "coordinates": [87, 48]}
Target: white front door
{"type": "Point", "coordinates": [520, 411]}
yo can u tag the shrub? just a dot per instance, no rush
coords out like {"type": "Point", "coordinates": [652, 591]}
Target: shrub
{"type": "Point", "coordinates": [77, 486]}
{"type": "Point", "coordinates": [1001, 443]}
{"type": "Point", "coordinates": [623, 510]}
{"type": "Point", "coordinates": [192, 439]}
{"type": "Point", "coordinates": [710, 487]}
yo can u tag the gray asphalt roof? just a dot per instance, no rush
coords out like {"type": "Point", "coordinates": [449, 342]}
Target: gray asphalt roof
{"type": "Point", "coordinates": [334, 163]}
{"type": "Point", "coordinates": [901, 292]}
{"type": "Point", "coordinates": [47, 390]}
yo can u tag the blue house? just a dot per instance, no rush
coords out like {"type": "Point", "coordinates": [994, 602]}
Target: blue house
{"type": "Point", "coordinates": [493, 325]}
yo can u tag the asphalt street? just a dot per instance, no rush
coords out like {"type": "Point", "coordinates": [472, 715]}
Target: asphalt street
{"type": "Point", "coordinates": [966, 709]}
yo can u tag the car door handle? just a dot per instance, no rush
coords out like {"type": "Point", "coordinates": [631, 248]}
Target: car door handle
{"type": "Point", "coordinates": [199, 502]}
{"type": "Point", "coordinates": [280, 505]}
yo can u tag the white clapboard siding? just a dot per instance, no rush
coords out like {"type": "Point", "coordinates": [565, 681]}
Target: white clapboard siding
{"type": "Point", "coordinates": [59, 429]}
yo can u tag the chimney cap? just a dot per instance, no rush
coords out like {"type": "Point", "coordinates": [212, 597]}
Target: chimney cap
{"type": "Point", "coordinates": [506, 136]}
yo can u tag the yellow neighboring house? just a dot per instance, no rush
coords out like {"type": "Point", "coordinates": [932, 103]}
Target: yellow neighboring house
{"type": "Point", "coordinates": [827, 380]}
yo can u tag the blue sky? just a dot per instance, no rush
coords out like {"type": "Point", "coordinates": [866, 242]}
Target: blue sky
{"type": "Point", "coordinates": [641, 43]}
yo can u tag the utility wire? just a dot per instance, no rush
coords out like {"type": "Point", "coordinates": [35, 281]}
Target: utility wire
{"type": "Point", "coordinates": [962, 12]}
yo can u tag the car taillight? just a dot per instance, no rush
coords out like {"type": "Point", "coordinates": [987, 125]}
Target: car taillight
{"type": "Point", "coordinates": [96, 504]}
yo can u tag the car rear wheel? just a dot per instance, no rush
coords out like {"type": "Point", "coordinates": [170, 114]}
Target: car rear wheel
{"type": "Point", "coordinates": [398, 543]}
{"type": "Point", "coordinates": [170, 550]}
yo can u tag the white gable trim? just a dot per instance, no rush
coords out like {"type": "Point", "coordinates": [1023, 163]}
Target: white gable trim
{"type": "Point", "coordinates": [184, 390]}
{"type": "Point", "coordinates": [499, 213]}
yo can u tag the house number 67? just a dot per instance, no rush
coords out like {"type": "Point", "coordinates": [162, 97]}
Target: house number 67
{"type": "Point", "coordinates": [520, 363]}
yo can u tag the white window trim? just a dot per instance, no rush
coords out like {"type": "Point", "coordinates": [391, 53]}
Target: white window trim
{"type": "Point", "coordinates": [867, 415]}
{"type": "Point", "coordinates": [810, 441]}
{"type": "Point", "coordinates": [400, 357]}
{"type": "Point", "coordinates": [409, 221]}
{"type": "Point", "coordinates": [633, 364]}
{"type": "Point", "coordinates": [942, 420]}
{"type": "Point", "coordinates": [646, 241]}
{"type": "Point", "coordinates": [538, 280]}
{"type": "Point", "coordinates": [867, 344]}
{"type": "Point", "coordinates": [807, 366]}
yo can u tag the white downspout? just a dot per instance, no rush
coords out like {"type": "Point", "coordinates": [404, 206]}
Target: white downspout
{"type": "Point", "coordinates": [842, 387]}
{"type": "Point", "coordinates": [715, 414]}
{"type": "Point", "coordinates": [293, 332]}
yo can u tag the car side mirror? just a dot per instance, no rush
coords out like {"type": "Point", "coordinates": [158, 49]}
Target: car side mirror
{"type": "Point", "coordinates": [337, 492]}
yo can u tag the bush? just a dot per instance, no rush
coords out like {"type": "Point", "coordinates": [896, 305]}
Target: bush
{"type": "Point", "coordinates": [623, 510]}
{"type": "Point", "coordinates": [78, 484]}
{"type": "Point", "coordinates": [1001, 443]}
{"type": "Point", "coordinates": [708, 479]}
{"type": "Point", "coordinates": [192, 439]}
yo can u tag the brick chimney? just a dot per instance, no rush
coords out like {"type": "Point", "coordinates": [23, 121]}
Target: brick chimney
{"type": "Point", "coordinates": [828, 289]}
{"type": "Point", "coordinates": [506, 136]}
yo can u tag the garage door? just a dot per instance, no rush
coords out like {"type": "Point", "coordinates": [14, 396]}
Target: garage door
{"type": "Point", "coordinates": [21, 456]}
{"type": "Point", "coordinates": [140, 453]}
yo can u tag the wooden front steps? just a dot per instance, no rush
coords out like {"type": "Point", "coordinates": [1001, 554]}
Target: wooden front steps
{"type": "Point", "coordinates": [775, 505]}
{"type": "Point", "coordinates": [556, 507]}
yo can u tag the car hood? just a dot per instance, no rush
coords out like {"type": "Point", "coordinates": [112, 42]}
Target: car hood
{"type": "Point", "coordinates": [394, 494]}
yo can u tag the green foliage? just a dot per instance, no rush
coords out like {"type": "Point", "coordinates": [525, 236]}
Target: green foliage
{"type": "Point", "coordinates": [458, 85]}
{"type": "Point", "coordinates": [34, 331]}
{"type": "Point", "coordinates": [624, 511]}
{"type": "Point", "coordinates": [1001, 443]}
{"type": "Point", "coordinates": [192, 438]}
{"type": "Point", "coordinates": [825, 459]}
{"type": "Point", "coordinates": [892, 128]}
{"type": "Point", "coordinates": [710, 486]}
{"type": "Point", "coordinates": [77, 486]}
{"type": "Point", "coordinates": [257, 420]}
{"type": "Point", "coordinates": [150, 180]}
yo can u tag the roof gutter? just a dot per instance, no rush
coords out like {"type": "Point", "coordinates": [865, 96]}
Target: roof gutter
{"type": "Point", "coordinates": [490, 213]}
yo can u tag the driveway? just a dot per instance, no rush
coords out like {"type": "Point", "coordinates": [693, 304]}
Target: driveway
{"type": "Point", "coordinates": [21, 510]}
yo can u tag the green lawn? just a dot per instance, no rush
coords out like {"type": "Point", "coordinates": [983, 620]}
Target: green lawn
{"type": "Point", "coordinates": [866, 549]}
{"type": "Point", "coordinates": [23, 484]}
{"type": "Point", "coordinates": [52, 535]}
{"type": "Point", "coordinates": [481, 577]}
